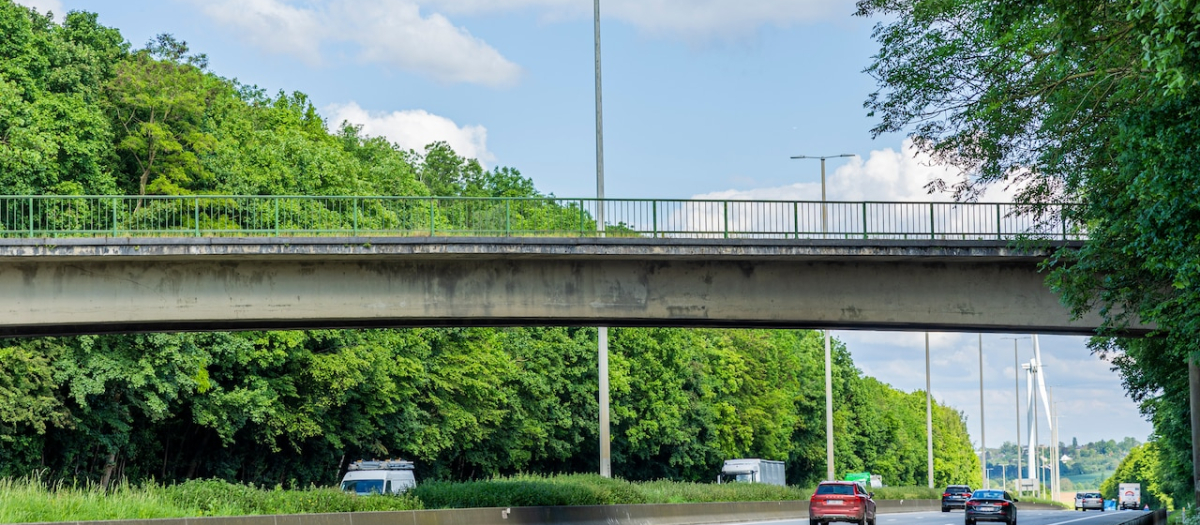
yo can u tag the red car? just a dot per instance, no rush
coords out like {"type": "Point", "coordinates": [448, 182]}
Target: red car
{"type": "Point", "coordinates": [841, 501]}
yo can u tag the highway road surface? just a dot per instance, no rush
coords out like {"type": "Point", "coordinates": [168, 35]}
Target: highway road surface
{"type": "Point", "coordinates": [1024, 517]}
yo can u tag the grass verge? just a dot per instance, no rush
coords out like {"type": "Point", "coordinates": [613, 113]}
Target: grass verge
{"type": "Point", "coordinates": [34, 501]}
{"type": "Point", "coordinates": [31, 500]}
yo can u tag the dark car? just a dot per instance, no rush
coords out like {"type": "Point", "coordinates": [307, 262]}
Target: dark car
{"type": "Point", "coordinates": [991, 505]}
{"type": "Point", "coordinates": [841, 501]}
{"type": "Point", "coordinates": [955, 497]}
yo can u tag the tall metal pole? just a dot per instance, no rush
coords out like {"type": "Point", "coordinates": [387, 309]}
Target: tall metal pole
{"type": "Point", "coordinates": [1017, 395]}
{"type": "Point", "coordinates": [1037, 438]}
{"type": "Point", "coordinates": [982, 428]}
{"type": "Point", "coordinates": [602, 336]}
{"type": "Point", "coordinates": [829, 471]}
{"type": "Point", "coordinates": [1194, 404]}
{"type": "Point", "coordinates": [928, 413]}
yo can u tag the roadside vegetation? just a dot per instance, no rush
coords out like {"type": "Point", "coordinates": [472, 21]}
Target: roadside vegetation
{"type": "Point", "coordinates": [32, 500]}
{"type": "Point", "coordinates": [81, 111]}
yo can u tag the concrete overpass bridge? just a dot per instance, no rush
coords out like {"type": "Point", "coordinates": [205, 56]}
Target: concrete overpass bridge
{"type": "Point", "coordinates": [72, 265]}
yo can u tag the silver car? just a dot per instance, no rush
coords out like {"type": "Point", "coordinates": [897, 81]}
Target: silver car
{"type": "Point", "coordinates": [1089, 500]}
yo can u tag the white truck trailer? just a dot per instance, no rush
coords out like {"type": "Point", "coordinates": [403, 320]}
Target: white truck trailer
{"type": "Point", "coordinates": [391, 476]}
{"type": "Point", "coordinates": [1129, 496]}
{"type": "Point", "coordinates": [752, 470]}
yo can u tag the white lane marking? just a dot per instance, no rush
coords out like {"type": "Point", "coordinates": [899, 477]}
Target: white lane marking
{"type": "Point", "coordinates": [1097, 515]}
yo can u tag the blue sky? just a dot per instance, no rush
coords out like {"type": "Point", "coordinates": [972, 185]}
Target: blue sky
{"type": "Point", "coordinates": [703, 98]}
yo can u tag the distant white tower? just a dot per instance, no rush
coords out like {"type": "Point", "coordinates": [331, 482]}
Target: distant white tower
{"type": "Point", "coordinates": [1035, 374]}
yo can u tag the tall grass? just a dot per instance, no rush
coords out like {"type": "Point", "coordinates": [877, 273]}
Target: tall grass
{"type": "Point", "coordinates": [590, 489]}
{"type": "Point", "coordinates": [32, 500]}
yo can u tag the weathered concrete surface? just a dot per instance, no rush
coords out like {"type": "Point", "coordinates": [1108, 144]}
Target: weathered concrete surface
{"type": "Point", "coordinates": [66, 286]}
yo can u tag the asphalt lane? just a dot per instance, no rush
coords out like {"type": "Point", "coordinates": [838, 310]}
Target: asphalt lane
{"type": "Point", "coordinates": [1024, 517]}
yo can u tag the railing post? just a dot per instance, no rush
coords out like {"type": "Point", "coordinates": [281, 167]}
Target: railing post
{"type": "Point", "coordinates": [508, 217]}
{"type": "Point", "coordinates": [581, 217]}
{"type": "Point", "coordinates": [116, 203]}
{"type": "Point", "coordinates": [999, 224]}
{"type": "Point", "coordinates": [795, 220]}
{"type": "Point", "coordinates": [196, 214]}
{"type": "Point", "coordinates": [932, 223]}
{"type": "Point", "coordinates": [726, 214]}
{"type": "Point", "coordinates": [276, 226]}
{"type": "Point", "coordinates": [1062, 216]}
{"type": "Point", "coordinates": [654, 216]}
{"type": "Point", "coordinates": [355, 224]}
{"type": "Point", "coordinates": [31, 217]}
{"type": "Point", "coordinates": [864, 215]}
{"type": "Point", "coordinates": [432, 215]}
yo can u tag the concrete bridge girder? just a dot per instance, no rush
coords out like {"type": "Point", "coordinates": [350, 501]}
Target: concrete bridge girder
{"type": "Point", "coordinates": [56, 287]}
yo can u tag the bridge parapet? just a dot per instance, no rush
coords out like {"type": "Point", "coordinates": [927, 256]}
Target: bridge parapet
{"type": "Point", "coordinates": [290, 216]}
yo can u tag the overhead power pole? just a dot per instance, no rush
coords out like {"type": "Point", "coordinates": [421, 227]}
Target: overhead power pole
{"type": "Point", "coordinates": [928, 413]}
{"type": "Point", "coordinates": [987, 482]}
{"type": "Point", "coordinates": [602, 335]}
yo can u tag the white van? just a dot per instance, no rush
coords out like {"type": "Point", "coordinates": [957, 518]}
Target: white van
{"type": "Point", "coordinates": [379, 477]}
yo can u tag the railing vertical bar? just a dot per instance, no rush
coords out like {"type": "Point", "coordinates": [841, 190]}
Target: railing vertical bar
{"type": "Point", "coordinates": [654, 216]}
{"type": "Point", "coordinates": [999, 224]}
{"type": "Point", "coordinates": [31, 217]}
{"type": "Point", "coordinates": [116, 203]}
{"type": "Point", "coordinates": [864, 220]}
{"type": "Point", "coordinates": [725, 214]}
{"type": "Point", "coordinates": [932, 223]}
{"type": "Point", "coordinates": [432, 214]}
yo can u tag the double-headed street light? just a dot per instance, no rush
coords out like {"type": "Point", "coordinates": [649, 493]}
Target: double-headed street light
{"type": "Point", "coordinates": [829, 474]}
{"type": "Point", "coordinates": [824, 220]}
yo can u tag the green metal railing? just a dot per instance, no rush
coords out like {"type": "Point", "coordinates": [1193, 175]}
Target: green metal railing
{"type": "Point", "coordinates": [283, 216]}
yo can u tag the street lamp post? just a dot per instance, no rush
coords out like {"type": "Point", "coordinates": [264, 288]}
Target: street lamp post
{"type": "Point", "coordinates": [602, 332]}
{"type": "Point", "coordinates": [829, 471]}
{"type": "Point", "coordinates": [824, 217]}
{"type": "Point", "coordinates": [928, 414]}
{"type": "Point", "coordinates": [987, 482]}
{"type": "Point", "coordinates": [1017, 395]}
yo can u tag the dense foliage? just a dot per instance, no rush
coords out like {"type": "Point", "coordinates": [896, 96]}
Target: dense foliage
{"type": "Point", "coordinates": [1091, 102]}
{"type": "Point", "coordinates": [82, 112]}
{"type": "Point", "coordinates": [1140, 466]}
{"type": "Point", "coordinates": [31, 500]}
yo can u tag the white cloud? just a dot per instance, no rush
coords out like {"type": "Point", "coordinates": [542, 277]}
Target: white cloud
{"type": "Point", "coordinates": [690, 19]}
{"type": "Point", "coordinates": [414, 129]}
{"type": "Point", "coordinates": [884, 176]}
{"type": "Point", "coordinates": [393, 33]}
{"type": "Point", "coordinates": [271, 25]}
{"type": "Point", "coordinates": [54, 6]}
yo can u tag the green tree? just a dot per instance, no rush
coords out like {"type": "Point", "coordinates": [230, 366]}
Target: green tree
{"type": "Point", "coordinates": [54, 136]}
{"type": "Point", "coordinates": [1080, 101]}
{"type": "Point", "coordinates": [1140, 466]}
{"type": "Point", "coordinates": [158, 106]}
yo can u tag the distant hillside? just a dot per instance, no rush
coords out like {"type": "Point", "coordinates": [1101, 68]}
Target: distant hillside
{"type": "Point", "coordinates": [1088, 464]}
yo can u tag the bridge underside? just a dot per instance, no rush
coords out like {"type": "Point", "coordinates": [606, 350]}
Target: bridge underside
{"type": "Point", "coordinates": [76, 286]}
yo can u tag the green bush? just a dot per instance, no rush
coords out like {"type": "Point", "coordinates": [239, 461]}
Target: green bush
{"type": "Point", "coordinates": [31, 500]}
{"type": "Point", "coordinates": [528, 491]}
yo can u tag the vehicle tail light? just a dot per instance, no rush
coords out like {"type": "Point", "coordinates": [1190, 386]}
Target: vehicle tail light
{"type": "Point", "coordinates": [1002, 503]}
{"type": "Point", "coordinates": [972, 503]}
{"type": "Point", "coordinates": [946, 495]}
